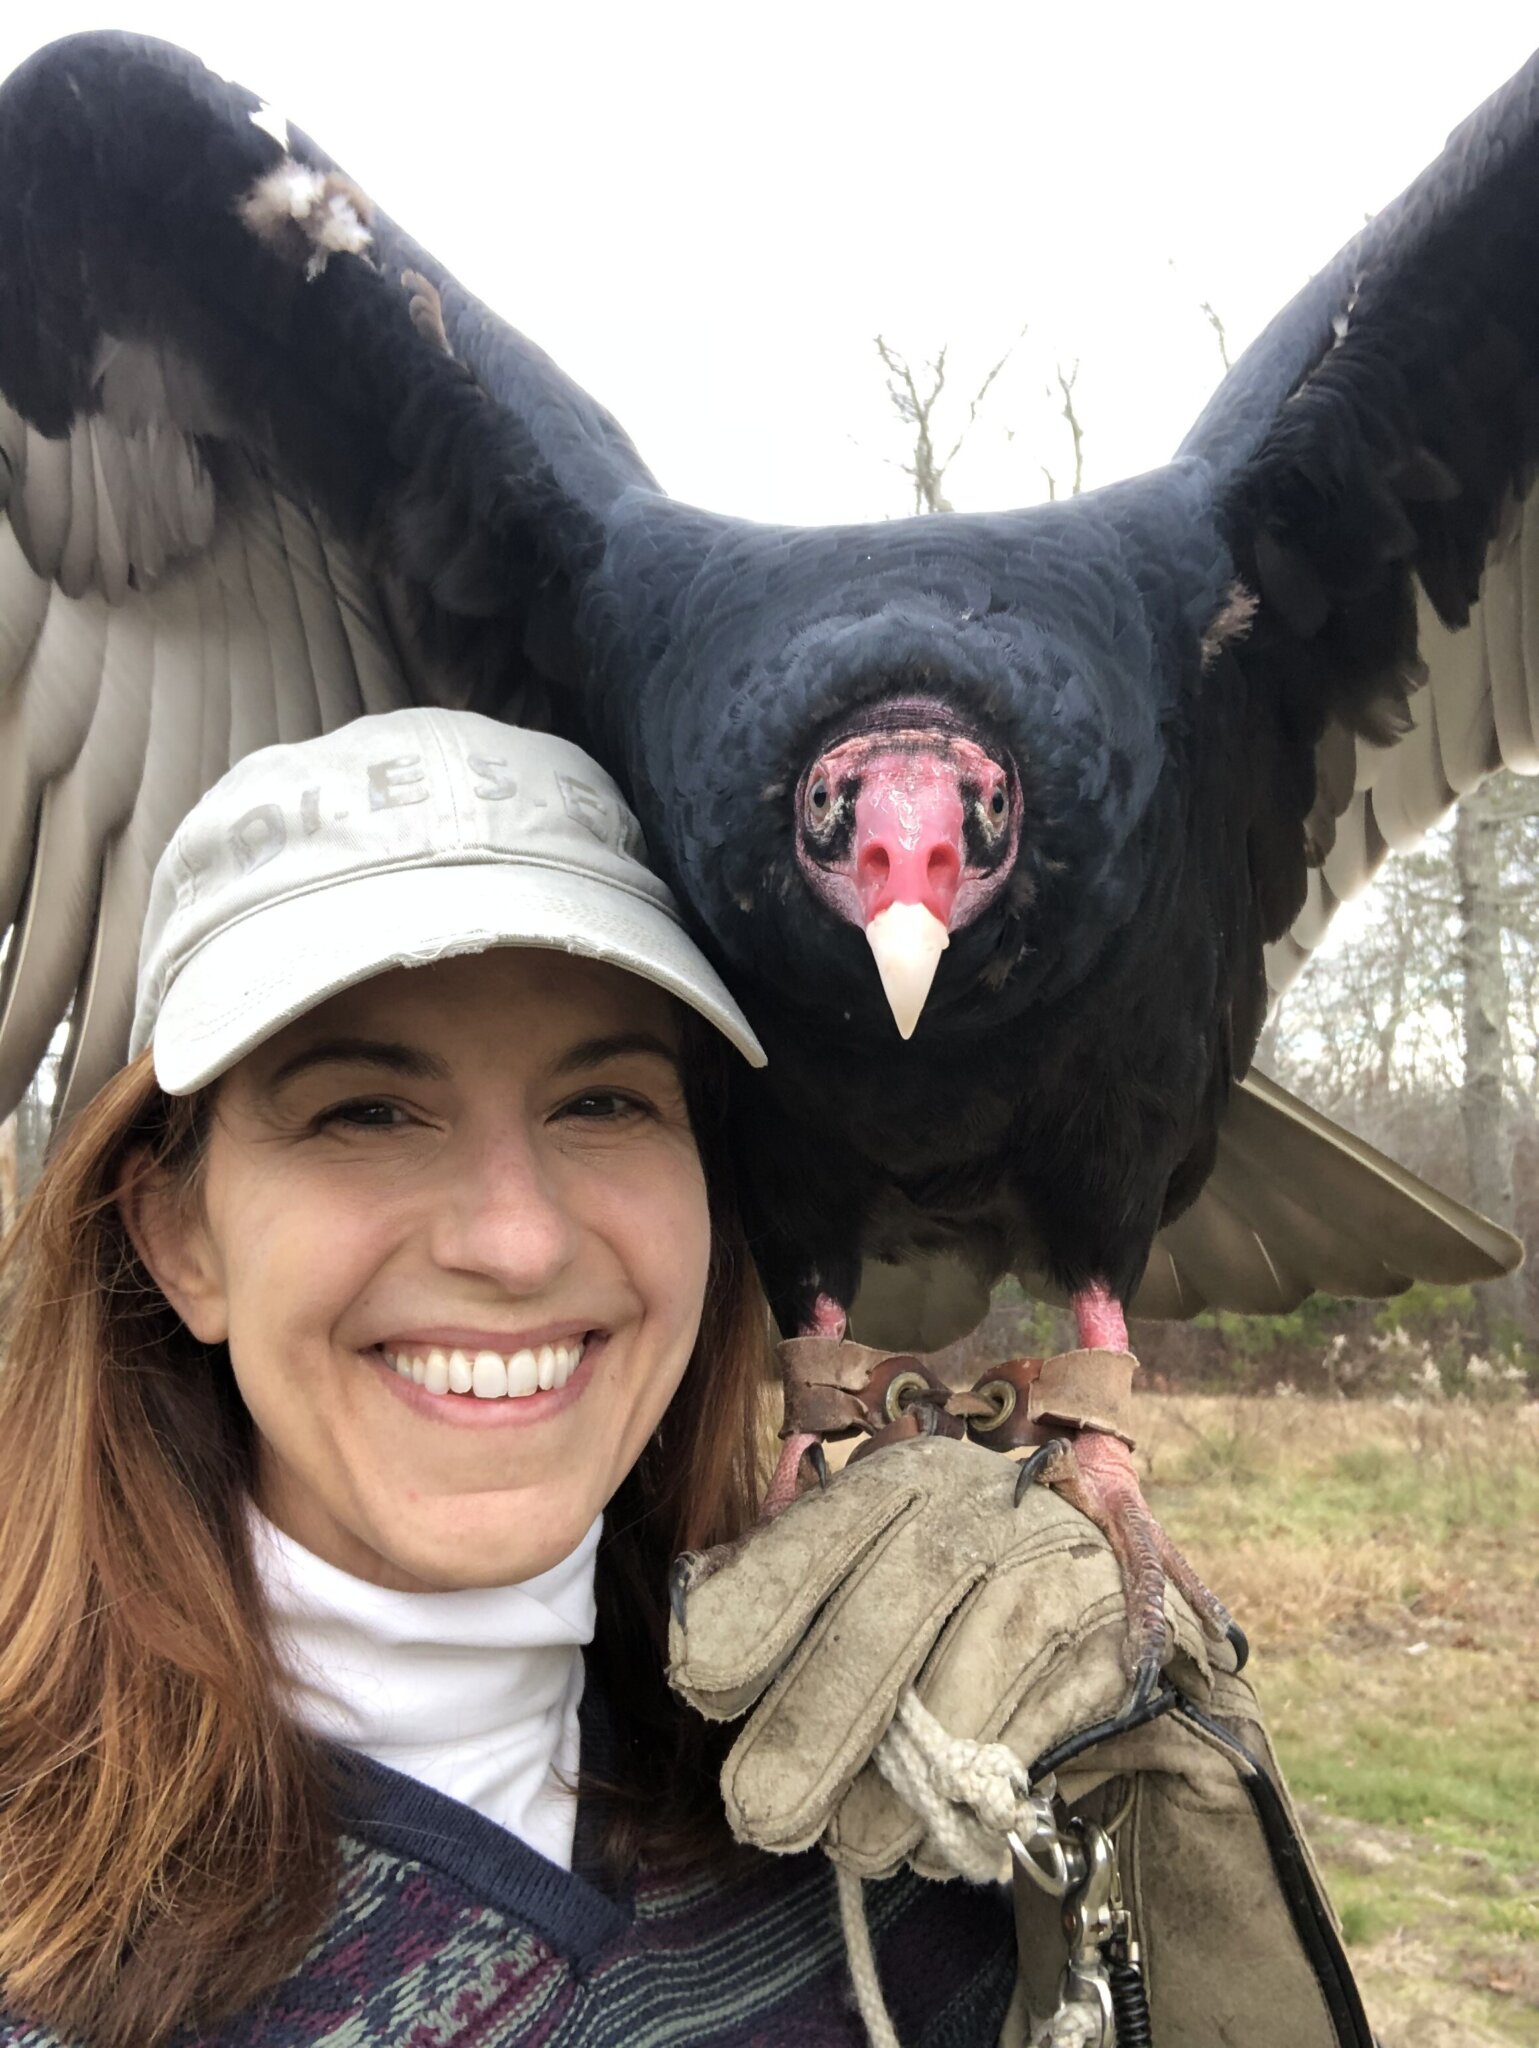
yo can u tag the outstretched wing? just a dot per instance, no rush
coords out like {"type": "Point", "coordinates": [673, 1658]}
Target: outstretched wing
{"type": "Point", "coordinates": [122, 700]}
{"type": "Point", "coordinates": [1375, 449]}
{"type": "Point", "coordinates": [265, 468]}
{"type": "Point", "coordinates": [1295, 1205]}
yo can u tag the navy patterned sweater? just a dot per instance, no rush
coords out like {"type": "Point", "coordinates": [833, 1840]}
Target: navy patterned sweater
{"type": "Point", "coordinates": [451, 1933]}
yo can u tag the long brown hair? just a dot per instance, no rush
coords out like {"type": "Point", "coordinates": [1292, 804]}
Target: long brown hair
{"type": "Point", "coordinates": [151, 1786]}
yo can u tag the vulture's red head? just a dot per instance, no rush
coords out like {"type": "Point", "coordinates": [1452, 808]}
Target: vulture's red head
{"type": "Point", "coordinates": [906, 828]}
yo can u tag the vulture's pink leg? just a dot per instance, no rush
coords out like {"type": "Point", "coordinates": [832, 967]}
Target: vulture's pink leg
{"type": "Point", "coordinates": [828, 1319]}
{"type": "Point", "coordinates": [1102, 1325]}
{"type": "Point", "coordinates": [1094, 1472]}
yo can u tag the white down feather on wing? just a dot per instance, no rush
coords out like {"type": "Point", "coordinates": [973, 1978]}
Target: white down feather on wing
{"type": "Point", "coordinates": [157, 622]}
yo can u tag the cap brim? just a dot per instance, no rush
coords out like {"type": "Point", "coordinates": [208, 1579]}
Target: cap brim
{"type": "Point", "coordinates": [249, 980]}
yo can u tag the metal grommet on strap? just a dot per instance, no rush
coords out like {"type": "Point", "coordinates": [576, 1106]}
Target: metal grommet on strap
{"type": "Point", "coordinates": [903, 1389]}
{"type": "Point", "coordinates": [1001, 1397]}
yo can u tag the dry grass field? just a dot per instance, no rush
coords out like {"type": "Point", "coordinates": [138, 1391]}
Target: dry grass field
{"type": "Point", "coordinates": [1384, 1560]}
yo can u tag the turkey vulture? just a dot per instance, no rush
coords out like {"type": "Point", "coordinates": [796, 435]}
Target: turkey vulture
{"type": "Point", "coordinates": [1049, 793]}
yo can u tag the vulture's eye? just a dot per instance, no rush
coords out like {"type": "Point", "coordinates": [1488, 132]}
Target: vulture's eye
{"type": "Point", "coordinates": [819, 802]}
{"type": "Point", "coordinates": [992, 810]}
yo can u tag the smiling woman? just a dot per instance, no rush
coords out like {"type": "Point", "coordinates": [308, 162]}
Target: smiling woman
{"type": "Point", "coordinates": [373, 1343]}
{"type": "Point", "coordinates": [496, 1154]}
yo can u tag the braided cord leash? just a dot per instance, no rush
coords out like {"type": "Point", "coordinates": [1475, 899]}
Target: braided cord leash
{"type": "Point", "coordinates": [971, 1796]}
{"type": "Point", "coordinates": [981, 1816]}
{"type": "Point", "coordinates": [880, 2031]}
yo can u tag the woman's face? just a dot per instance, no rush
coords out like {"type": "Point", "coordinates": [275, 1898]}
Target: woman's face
{"type": "Point", "coordinates": [482, 1169]}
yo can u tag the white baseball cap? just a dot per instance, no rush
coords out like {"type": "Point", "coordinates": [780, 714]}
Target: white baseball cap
{"type": "Point", "coordinates": [394, 841]}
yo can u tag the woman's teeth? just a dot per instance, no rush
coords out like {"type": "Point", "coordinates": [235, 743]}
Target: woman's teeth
{"type": "Point", "coordinates": [489, 1375]}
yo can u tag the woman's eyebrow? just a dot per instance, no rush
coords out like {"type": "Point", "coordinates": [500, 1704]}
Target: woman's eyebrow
{"type": "Point", "coordinates": [409, 1061]}
{"type": "Point", "coordinates": [592, 1052]}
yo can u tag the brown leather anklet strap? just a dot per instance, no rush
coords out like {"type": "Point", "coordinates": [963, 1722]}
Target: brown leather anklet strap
{"type": "Point", "coordinates": [838, 1389]}
{"type": "Point", "coordinates": [1086, 1390]}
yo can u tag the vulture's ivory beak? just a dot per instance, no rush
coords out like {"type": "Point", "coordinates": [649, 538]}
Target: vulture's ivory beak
{"type": "Point", "coordinates": [908, 941]}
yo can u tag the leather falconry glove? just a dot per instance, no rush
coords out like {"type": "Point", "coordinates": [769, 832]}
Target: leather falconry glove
{"type": "Point", "coordinates": [927, 1665]}
{"type": "Point", "coordinates": [1074, 1411]}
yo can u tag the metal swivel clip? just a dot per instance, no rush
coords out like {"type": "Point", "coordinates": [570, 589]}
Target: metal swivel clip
{"type": "Point", "coordinates": [1100, 1997]}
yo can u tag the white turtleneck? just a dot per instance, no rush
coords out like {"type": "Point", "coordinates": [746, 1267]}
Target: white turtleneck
{"type": "Point", "coordinates": [474, 1693]}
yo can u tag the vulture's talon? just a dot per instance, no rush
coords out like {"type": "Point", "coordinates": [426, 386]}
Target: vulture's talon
{"type": "Point", "coordinates": [1094, 1472]}
{"type": "Point", "coordinates": [680, 1575]}
{"type": "Point", "coordinates": [1146, 1679]}
{"type": "Point", "coordinates": [1039, 1468]}
{"type": "Point", "coordinates": [1239, 1643]}
{"type": "Point", "coordinates": [826, 1318]}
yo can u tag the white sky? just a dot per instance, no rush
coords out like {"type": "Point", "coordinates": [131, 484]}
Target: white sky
{"type": "Point", "coordinates": [705, 212]}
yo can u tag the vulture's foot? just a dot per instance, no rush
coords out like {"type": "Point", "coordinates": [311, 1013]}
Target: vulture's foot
{"type": "Point", "coordinates": [1094, 1472]}
{"type": "Point", "coordinates": [829, 1320]}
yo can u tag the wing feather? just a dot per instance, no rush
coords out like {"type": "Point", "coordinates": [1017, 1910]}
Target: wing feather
{"type": "Point", "coordinates": [385, 666]}
{"type": "Point", "coordinates": [269, 587]}
{"type": "Point", "coordinates": [80, 811]}
{"type": "Point", "coordinates": [121, 704]}
{"type": "Point", "coordinates": [248, 651]}
{"type": "Point", "coordinates": [1297, 1205]}
{"type": "Point", "coordinates": [38, 502]}
{"type": "Point", "coordinates": [1462, 668]}
{"type": "Point", "coordinates": [171, 692]}
{"type": "Point", "coordinates": [44, 728]}
{"type": "Point", "coordinates": [1478, 711]}
{"type": "Point", "coordinates": [1411, 792]}
{"type": "Point", "coordinates": [1357, 850]}
{"type": "Point", "coordinates": [1220, 1256]}
{"type": "Point", "coordinates": [1372, 454]}
{"type": "Point", "coordinates": [1515, 685]}
{"type": "Point", "coordinates": [1309, 927]}
{"type": "Point", "coordinates": [112, 481]}
{"type": "Point", "coordinates": [316, 603]}
{"type": "Point", "coordinates": [24, 597]}
{"type": "Point", "coordinates": [82, 550]}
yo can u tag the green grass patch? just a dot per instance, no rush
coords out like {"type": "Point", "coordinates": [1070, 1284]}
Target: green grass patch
{"type": "Point", "coordinates": [1231, 1478]}
{"type": "Point", "coordinates": [1365, 1465]}
{"type": "Point", "coordinates": [1385, 1562]}
{"type": "Point", "coordinates": [1413, 1746]}
{"type": "Point", "coordinates": [1368, 1908]}
{"type": "Point", "coordinates": [1518, 1918]}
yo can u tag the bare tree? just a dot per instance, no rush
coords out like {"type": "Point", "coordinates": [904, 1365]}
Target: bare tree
{"type": "Point", "coordinates": [1422, 1033]}
{"type": "Point", "coordinates": [1068, 413]}
{"type": "Point", "coordinates": [1220, 334]}
{"type": "Point", "coordinates": [914, 399]}
{"type": "Point", "coordinates": [1486, 1028]}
